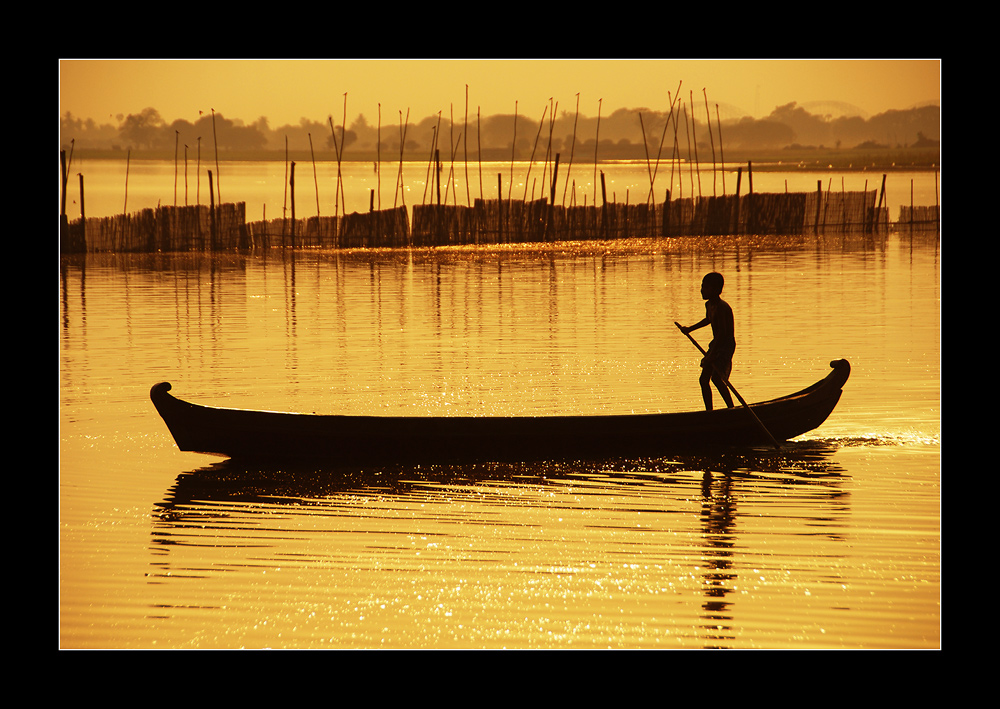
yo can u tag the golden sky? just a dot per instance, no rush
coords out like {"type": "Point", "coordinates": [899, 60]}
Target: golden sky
{"type": "Point", "coordinates": [286, 90]}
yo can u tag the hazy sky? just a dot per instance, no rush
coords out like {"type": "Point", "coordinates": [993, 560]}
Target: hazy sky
{"type": "Point", "coordinates": [286, 90]}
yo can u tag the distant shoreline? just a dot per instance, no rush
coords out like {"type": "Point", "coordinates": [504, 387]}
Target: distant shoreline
{"type": "Point", "coordinates": [804, 158]}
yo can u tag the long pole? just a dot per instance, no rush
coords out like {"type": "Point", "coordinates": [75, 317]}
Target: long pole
{"type": "Point", "coordinates": [597, 145]}
{"type": "Point", "coordinates": [708, 122]}
{"type": "Point", "coordinates": [531, 160]}
{"type": "Point", "coordinates": [572, 149]}
{"type": "Point", "coordinates": [215, 139]}
{"type": "Point", "coordinates": [729, 384]}
{"type": "Point", "coordinates": [465, 148]}
{"type": "Point", "coordinates": [312, 153]}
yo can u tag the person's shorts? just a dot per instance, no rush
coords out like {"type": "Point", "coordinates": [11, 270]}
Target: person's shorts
{"type": "Point", "coordinates": [722, 359]}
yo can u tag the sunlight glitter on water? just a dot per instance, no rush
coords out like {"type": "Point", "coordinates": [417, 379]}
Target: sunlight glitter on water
{"type": "Point", "coordinates": [832, 542]}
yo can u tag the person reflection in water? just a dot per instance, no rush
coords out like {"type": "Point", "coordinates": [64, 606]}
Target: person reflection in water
{"type": "Point", "coordinates": [717, 363]}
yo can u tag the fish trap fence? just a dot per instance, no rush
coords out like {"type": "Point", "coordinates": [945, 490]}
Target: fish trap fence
{"type": "Point", "coordinates": [444, 225]}
{"type": "Point", "coordinates": [499, 221]}
{"type": "Point", "coordinates": [919, 218]}
{"type": "Point", "coordinates": [845, 211]}
{"type": "Point", "coordinates": [772, 213]}
{"type": "Point", "coordinates": [379, 228]}
{"type": "Point", "coordinates": [187, 228]}
{"type": "Point", "coordinates": [514, 221]}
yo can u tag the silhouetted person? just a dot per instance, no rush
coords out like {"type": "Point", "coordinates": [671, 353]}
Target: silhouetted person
{"type": "Point", "coordinates": [718, 360]}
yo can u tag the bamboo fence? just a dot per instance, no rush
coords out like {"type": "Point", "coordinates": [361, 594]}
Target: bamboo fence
{"type": "Point", "coordinates": [496, 221]}
{"type": "Point", "coordinates": [499, 221]}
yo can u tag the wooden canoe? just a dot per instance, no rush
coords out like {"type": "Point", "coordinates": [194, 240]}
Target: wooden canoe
{"type": "Point", "coordinates": [390, 440]}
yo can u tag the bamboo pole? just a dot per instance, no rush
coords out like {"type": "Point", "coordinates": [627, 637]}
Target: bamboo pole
{"type": "Point", "coordinates": [513, 152]}
{"type": "Point", "coordinates": [338, 148]}
{"type": "Point", "coordinates": [604, 207]}
{"type": "Point", "coordinates": [553, 106]}
{"type": "Point", "coordinates": [675, 154]}
{"type": "Point", "coordinates": [663, 137]}
{"type": "Point", "coordinates": [552, 197]}
{"type": "Point", "coordinates": [874, 217]}
{"type": "Point", "coordinates": [500, 210]}
{"type": "Point", "coordinates": [291, 187]}
{"type": "Point", "coordinates": [465, 148]}
{"type": "Point", "coordinates": [402, 142]}
{"type": "Point", "coordinates": [83, 217]}
{"type": "Point", "coordinates": [437, 174]}
{"type": "Point", "coordinates": [69, 164]}
{"type": "Point", "coordinates": [128, 160]}
{"type": "Point", "coordinates": [708, 122]}
{"type": "Point", "coordinates": [694, 139]}
{"type": "Point", "coordinates": [336, 154]}
{"type": "Point", "coordinates": [597, 143]}
{"type": "Point", "coordinates": [937, 204]}
{"type": "Point", "coordinates": [435, 132]}
{"type": "Point", "coordinates": [284, 206]}
{"type": "Point", "coordinates": [177, 139]}
{"type": "Point", "coordinates": [64, 233]}
{"type": "Point", "coordinates": [218, 181]}
{"type": "Point", "coordinates": [826, 203]}
{"type": "Point", "coordinates": [864, 217]}
{"type": "Point", "coordinates": [879, 207]}
{"type": "Point", "coordinates": [645, 148]}
{"type": "Point", "coordinates": [452, 151]}
{"type": "Point", "coordinates": [819, 201]}
{"type": "Point", "coordinates": [534, 148]}
{"type": "Point", "coordinates": [211, 212]}
{"type": "Point", "coordinates": [340, 157]}
{"type": "Point", "coordinates": [722, 155]}
{"type": "Point", "coordinates": [65, 181]}
{"type": "Point", "coordinates": [479, 151]}
{"type": "Point", "coordinates": [911, 205]}
{"type": "Point", "coordinates": [312, 154]}
{"type": "Point", "coordinates": [572, 148]}
{"type": "Point", "coordinates": [739, 178]}
{"type": "Point", "coordinates": [197, 172]}
{"type": "Point", "coordinates": [687, 133]}
{"type": "Point", "coordinates": [649, 169]}
{"type": "Point", "coordinates": [451, 175]}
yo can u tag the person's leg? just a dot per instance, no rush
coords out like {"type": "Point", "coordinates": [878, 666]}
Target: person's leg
{"type": "Point", "coordinates": [706, 385]}
{"type": "Point", "coordinates": [720, 384]}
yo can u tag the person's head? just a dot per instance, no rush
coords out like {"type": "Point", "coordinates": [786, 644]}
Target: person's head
{"type": "Point", "coordinates": [711, 285]}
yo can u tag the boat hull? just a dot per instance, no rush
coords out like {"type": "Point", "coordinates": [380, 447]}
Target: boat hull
{"type": "Point", "coordinates": [390, 440]}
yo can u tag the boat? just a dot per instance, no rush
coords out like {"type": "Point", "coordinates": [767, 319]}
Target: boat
{"type": "Point", "coordinates": [391, 440]}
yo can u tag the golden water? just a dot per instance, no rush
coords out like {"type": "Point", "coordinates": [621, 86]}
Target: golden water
{"type": "Point", "coordinates": [832, 543]}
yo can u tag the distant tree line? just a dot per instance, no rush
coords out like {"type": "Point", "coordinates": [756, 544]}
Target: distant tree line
{"type": "Point", "coordinates": [623, 133]}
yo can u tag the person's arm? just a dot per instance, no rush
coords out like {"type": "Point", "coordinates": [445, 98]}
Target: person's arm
{"type": "Point", "coordinates": [691, 328]}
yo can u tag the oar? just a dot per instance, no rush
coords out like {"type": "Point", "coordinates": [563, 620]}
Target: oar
{"type": "Point", "coordinates": [732, 388]}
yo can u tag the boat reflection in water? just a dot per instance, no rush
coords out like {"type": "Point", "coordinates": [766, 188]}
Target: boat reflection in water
{"type": "Point", "coordinates": [461, 534]}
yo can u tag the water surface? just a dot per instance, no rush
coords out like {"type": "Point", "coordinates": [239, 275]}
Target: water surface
{"type": "Point", "coordinates": [833, 542]}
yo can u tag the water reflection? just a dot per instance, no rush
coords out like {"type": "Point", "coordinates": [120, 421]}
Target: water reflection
{"type": "Point", "coordinates": [705, 551]}
{"type": "Point", "coordinates": [808, 463]}
{"type": "Point", "coordinates": [654, 516]}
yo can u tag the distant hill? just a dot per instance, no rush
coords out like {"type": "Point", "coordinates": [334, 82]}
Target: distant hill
{"type": "Point", "coordinates": [827, 127]}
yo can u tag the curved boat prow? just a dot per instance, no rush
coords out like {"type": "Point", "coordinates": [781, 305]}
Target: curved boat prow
{"type": "Point", "coordinates": [839, 375]}
{"type": "Point", "coordinates": [174, 413]}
